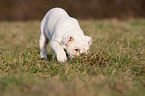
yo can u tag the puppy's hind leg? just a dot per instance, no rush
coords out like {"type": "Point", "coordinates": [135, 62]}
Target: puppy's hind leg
{"type": "Point", "coordinates": [43, 41]}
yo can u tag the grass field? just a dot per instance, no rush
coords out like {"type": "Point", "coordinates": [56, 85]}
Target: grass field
{"type": "Point", "coordinates": [115, 65]}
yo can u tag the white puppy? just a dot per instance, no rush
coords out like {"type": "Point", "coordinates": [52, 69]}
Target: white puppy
{"type": "Point", "coordinates": [63, 32]}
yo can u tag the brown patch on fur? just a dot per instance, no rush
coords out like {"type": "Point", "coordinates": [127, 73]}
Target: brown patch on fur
{"type": "Point", "coordinates": [70, 40]}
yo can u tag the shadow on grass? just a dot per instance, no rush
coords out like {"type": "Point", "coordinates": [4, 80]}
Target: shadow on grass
{"type": "Point", "coordinates": [49, 58]}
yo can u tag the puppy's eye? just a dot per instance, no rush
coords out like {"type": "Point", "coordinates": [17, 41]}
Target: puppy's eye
{"type": "Point", "coordinates": [77, 50]}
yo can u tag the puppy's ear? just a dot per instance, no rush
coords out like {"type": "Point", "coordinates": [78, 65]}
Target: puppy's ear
{"type": "Point", "coordinates": [89, 40]}
{"type": "Point", "coordinates": [68, 40]}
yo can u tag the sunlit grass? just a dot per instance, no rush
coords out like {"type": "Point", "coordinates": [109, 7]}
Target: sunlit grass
{"type": "Point", "coordinates": [115, 65]}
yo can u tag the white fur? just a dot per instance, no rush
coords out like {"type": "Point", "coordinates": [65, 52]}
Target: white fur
{"type": "Point", "coordinates": [63, 32]}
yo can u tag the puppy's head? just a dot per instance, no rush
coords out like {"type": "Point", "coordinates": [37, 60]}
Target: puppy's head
{"type": "Point", "coordinates": [77, 45]}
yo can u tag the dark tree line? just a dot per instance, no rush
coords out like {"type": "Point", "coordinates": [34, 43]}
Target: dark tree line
{"type": "Point", "coordinates": [83, 9]}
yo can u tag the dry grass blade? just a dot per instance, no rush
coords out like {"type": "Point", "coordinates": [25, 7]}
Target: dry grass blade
{"type": "Point", "coordinates": [118, 87]}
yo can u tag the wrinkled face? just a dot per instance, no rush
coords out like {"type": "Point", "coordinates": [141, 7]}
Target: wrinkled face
{"type": "Point", "coordinates": [78, 46]}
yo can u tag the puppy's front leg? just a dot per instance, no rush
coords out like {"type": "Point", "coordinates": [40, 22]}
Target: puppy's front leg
{"type": "Point", "coordinates": [58, 50]}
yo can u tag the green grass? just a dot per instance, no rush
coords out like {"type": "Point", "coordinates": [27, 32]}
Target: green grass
{"type": "Point", "coordinates": [115, 65]}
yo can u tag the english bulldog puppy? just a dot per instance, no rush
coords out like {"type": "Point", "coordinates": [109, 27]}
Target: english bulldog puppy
{"type": "Point", "coordinates": [64, 33]}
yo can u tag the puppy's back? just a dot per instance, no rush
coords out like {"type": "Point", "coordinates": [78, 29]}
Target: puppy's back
{"type": "Point", "coordinates": [56, 13]}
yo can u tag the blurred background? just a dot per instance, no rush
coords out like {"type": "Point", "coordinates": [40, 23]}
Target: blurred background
{"type": "Point", "coordinates": [11, 10]}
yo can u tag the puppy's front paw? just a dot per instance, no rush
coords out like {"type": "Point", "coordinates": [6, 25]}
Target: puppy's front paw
{"type": "Point", "coordinates": [61, 57]}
